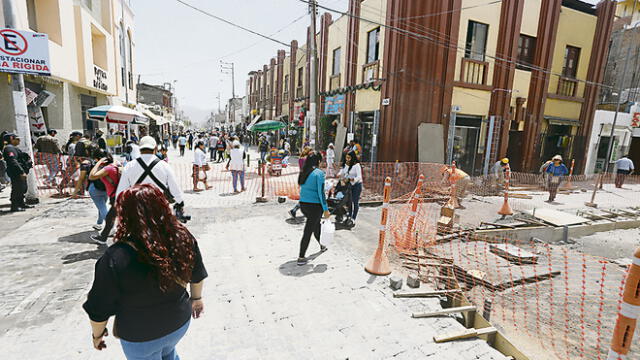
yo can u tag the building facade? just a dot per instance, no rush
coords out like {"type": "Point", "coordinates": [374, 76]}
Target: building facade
{"type": "Point", "coordinates": [91, 49]}
{"type": "Point", "coordinates": [513, 78]}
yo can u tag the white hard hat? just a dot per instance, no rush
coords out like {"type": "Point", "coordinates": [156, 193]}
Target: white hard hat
{"type": "Point", "coordinates": [147, 142]}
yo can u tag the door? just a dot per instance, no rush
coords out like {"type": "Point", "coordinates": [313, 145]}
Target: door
{"type": "Point", "coordinates": [364, 133]}
{"type": "Point", "coordinates": [465, 144]}
{"type": "Point", "coordinates": [87, 102]}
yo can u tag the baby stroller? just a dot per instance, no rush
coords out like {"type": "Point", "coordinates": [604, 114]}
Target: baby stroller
{"type": "Point", "coordinates": [338, 201]}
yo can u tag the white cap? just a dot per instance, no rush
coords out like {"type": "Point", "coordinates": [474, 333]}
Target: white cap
{"type": "Point", "coordinates": [147, 142]}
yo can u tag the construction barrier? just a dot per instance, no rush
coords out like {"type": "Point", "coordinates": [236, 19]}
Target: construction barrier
{"type": "Point", "coordinates": [379, 263]}
{"type": "Point", "coordinates": [629, 311]}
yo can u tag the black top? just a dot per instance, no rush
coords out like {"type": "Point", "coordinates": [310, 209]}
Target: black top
{"type": "Point", "coordinates": [12, 156]}
{"type": "Point", "coordinates": [126, 288]}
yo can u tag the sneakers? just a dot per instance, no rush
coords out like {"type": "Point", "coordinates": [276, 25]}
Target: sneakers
{"type": "Point", "coordinates": [292, 213]}
{"type": "Point", "coordinates": [323, 248]}
{"type": "Point", "coordinates": [97, 227]}
{"type": "Point", "coordinates": [302, 261]}
{"type": "Point", "coordinates": [98, 240]}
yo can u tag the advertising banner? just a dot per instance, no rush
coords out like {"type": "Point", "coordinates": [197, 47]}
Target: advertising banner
{"type": "Point", "coordinates": [24, 52]}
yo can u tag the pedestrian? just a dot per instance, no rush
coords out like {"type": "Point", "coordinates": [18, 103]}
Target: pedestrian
{"type": "Point", "coordinates": [70, 146]}
{"type": "Point", "coordinates": [237, 155]}
{"type": "Point", "coordinates": [313, 203]}
{"type": "Point", "coordinates": [555, 171]}
{"type": "Point", "coordinates": [458, 178]}
{"type": "Point", "coordinates": [18, 166]}
{"type": "Point", "coordinates": [331, 158]}
{"type": "Point", "coordinates": [174, 141]}
{"type": "Point", "coordinates": [162, 154]}
{"type": "Point", "coordinates": [97, 189]}
{"type": "Point", "coordinates": [4, 179]}
{"type": "Point", "coordinates": [213, 145]}
{"type": "Point", "coordinates": [263, 147]}
{"type": "Point", "coordinates": [306, 152]}
{"type": "Point", "coordinates": [135, 149]}
{"type": "Point", "coordinates": [182, 142]}
{"type": "Point", "coordinates": [222, 145]}
{"type": "Point", "coordinates": [200, 165]}
{"type": "Point", "coordinates": [624, 167]}
{"type": "Point", "coordinates": [102, 143]}
{"type": "Point", "coordinates": [85, 169]}
{"type": "Point", "coordinates": [190, 141]}
{"type": "Point", "coordinates": [142, 279]}
{"type": "Point", "coordinates": [165, 139]}
{"type": "Point", "coordinates": [352, 171]}
{"type": "Point", "coordinates": [82, 145]}
{"type": "Point", "coordinates": [543, 173]}
{"type": "Point", "coordinates": [108, 172]}
{"type": "Point", "coordinates": [48, 150]}
{"type": "Point", "coordinates": [498, 172]}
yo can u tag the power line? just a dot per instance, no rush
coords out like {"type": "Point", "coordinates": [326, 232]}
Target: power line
{"type": "Point", "coordinates": [231, 23]}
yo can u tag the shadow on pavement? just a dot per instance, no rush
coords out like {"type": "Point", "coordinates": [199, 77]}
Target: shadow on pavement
{"type": "Point", "coordinates": [295, 221]}
{"type": "Point", "coordinates": [79, 238]}
{"type": "Point", "coordinates": [85, 255]}
{"type": "Point", "coordinates": [291, 268]}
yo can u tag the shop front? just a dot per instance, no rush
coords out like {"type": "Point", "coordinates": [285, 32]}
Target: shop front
{"type": "Point", "coordinates": [468, 143]}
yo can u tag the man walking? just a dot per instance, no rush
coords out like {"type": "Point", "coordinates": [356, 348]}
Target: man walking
{"type": "Point", "coordinates": [102, 143]}
{"type": "Point", "coordinates": [213, 145]}
{"type": "Point", "coordinates": [182, 142]}
{"type": "Point", "coordinates": [625, 167]}
{"type": "Point", "coordinates": [49, 151]}
{"type": "Point", "coordinates": [18, 166]}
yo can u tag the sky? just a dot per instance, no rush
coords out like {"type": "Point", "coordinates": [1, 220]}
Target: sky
{"type": "Point", "coordinates": [176, 43]}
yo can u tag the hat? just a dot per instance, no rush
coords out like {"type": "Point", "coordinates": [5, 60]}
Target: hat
{"type": "Point", "coordinates": [147, 142]}
{"type": "Point", "coordinates": [505, 160]}
{"type": "Point", "coordinates": [75, 133]}
{"type": "Point", "coordinates": [8, 136]}
{"type": "Point", "coordinates": [557, 157]}
{"type": "Point", "coordinates": [52, 131]}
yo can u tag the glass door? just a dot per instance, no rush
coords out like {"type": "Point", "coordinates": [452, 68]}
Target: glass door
{"type": "Point", "coordinates": [465, 145]}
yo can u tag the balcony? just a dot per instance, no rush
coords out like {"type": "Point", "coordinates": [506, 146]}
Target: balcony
{"type": "Point", "coordinates": [370, 72]}
{"type": "Point", "coordinates": [334, 82]}
{"type": "Point", "coordinates": [567, 87]}
{"type": "Point", "coordinates": [474, 72]}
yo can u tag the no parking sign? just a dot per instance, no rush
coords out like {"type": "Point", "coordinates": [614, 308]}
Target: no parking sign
{"type": "Point", "coordinates": [24, 52]}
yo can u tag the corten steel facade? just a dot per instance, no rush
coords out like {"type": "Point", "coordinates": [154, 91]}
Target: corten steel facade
{"type": "Point", "coordinates": [533, 66]}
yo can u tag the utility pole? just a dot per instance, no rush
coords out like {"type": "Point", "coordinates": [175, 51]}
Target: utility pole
{"type": "Point", "coordinates": [126, 71]}
{"type": "Point", "coordinates": [620, 89]}
{"type": "Point", "coordinates": [229, 68]}
{"type": "Point", "coordinates": [313, 76]}
{"type": "Point", "coordinates": [20, 109]}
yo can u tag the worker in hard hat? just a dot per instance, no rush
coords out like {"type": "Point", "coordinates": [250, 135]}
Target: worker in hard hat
{"type": "Point", "coordinates": [556, 172]}
{"type": "Point", "coordinates": [457, 177]}
{"type": "Point", "coordinates": [498, 172]}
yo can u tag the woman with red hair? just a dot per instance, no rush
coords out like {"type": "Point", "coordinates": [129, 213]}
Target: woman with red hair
{"type": "Point", "coordinates": [142, 278]}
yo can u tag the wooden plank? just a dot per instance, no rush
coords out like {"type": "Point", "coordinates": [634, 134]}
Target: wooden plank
{"type": "Point", "coordinates": [442, 312]}
{"type": "Point", "coordinates": [514, 253]}
{"type": "Point", "coordinates": [419, 294]}
{"type": "Point", "coordinates": [464, 334]}
{"type": "Point", "coordinates": [426, 264]}
{"type": "Point", "coordinates": [518, 196]}
{"type": "Point", "coordinates": [498, 225]}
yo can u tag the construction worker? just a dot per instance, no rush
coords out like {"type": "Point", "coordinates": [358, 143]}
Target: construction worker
{"type": "Point", "coordinates": [458, 178]}
{"type": "Point", "coordinates": [498, 172]}
{"type": "Point", "coordinates": [556, 172]}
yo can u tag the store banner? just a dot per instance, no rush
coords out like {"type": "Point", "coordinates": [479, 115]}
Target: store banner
{"type": "Point", "coordinates": [24, 52]}
{"type": "Point", "coordinates": [334, 105]}
{"type": "Point", "coordinates": [36, 120]}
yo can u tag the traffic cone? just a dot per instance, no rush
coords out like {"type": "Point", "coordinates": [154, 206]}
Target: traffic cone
{"type": "Point", "coordinates": [628, 313]}
{"type": "Point", "coordinates": [379, 263]}
{"type": "Point", "coordinates": [506, 208]}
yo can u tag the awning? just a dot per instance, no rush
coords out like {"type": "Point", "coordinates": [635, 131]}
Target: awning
{"type": "Point", "coordinates": [159, 120]}
{"type": "Point", "coordinates": [117, 115]}
{"type": "Point", "coordinates": [555, 120]}
{"type": "Point", "coordinates": [254, 121]}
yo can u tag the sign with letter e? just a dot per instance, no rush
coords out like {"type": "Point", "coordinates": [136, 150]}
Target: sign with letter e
{"type": "Point", "coordinates": [24, 52]}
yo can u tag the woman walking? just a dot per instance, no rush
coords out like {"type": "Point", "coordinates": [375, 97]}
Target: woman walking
{"type": "Point", "coordinates": [352, 171]}
{"type": "Point", "coordinates": [142, 279]}
{"type": "Point", "coordinates": [200, 165]}
{"type": "Point", "coordinates": [331, 157]}
{"type": "Point", "coordinates": [109, 173]}
{"type": "Point", "coordinates": [236, 165]}
{"type": "Point", "coordinates": [96, 188]}
{"type": "Point", "coordinates": [313, 203]}
{"type": "Point", "coordinates": [555, 171]}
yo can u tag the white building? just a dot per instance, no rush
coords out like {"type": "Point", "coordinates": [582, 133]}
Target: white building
{"type": "Point", "coordinates": [91, 47]}
{"type": "Point", "coordinates": [626, 137]}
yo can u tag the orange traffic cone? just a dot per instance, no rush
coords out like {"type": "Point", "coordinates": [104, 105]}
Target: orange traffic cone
{"type": "Point", "coordinates": [506, 208]}
{"type": "Point", "coordinates": [379, 263]}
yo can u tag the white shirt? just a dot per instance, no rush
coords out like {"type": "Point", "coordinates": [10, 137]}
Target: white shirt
{"type": "Point", "coordinates": [162, 171]}
{"type": "Point", "coordinates": [213, 141]}
{"type": "Point", "coordinates": [135, 151]}
{"type": "Point", "coordinates": [237, 159]}
{"type": "Point", "coordinates": [287, 146]}
{"type": "Point", "coordinates": [182, 140]}
{"type": "Point", "coordinates": [624, 164]}
{"type": "Point", "coordinates": [331, 155]}
{"type": "Point", "coordinates": [199, 157]}
{"type": "Point", "coordinates": [355, 175]}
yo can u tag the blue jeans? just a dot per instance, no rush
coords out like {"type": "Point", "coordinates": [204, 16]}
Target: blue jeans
{"type": "Point", "coordinates": [100, 199]}
{"type": "Point", "coordinates": [237, 174]}
{"type": "Point", "coordinates": [263, 155]}
{"type": "Point", "coordinates": [354, 205]}
{"type": "Point", "coordinates": [163, 348]}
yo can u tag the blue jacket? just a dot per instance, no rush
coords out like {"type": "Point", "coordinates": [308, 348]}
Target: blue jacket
{"type": "Point", "coordinates": [312, 191]}
{"type": "Point", "coordinates": [557, 170]}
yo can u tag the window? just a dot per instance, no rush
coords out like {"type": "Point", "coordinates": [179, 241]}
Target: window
{"type": "Point", "coordinates": [300, 75]}
{"type": "Point", "coordinates": [526, 52]}
{"type": "Point", "coordinates": [373, 45]}
{"type": "Point", "coordinates": [286, 83]}
{"type": "Point", "coordinates": [571, 57]}
{"type": "Point", "coordinates": [31, 14]}
{"type": "Point", "coordinates": [476, 40]}
{"type": "Point", "coordinates": [130, 53]}
{"type": "Point", "coordinates": [99, 48]}
{"type": "Point", "coordinates": [336, 62]}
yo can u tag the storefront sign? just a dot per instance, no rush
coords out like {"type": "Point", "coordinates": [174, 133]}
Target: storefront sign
{"type": "Point", "coordinates": [24, 52]}
{"type": "Point", "coordinates": [36, 120]}
{"type": "Point", "coordinates": [334, 105]}
{"type": "Point", "coordinates": [99, 79]}
{"type": "Point", "coordinates": [635, 121]}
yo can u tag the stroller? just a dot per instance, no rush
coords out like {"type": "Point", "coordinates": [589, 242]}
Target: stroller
{"type": "Point", "coordinates": [338, 201]}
